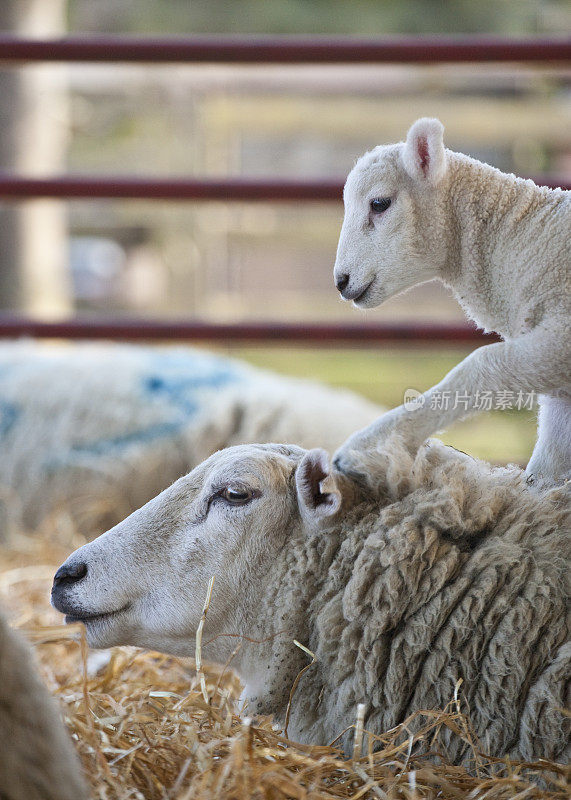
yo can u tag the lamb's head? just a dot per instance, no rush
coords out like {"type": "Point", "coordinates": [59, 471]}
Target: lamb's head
{"type": "Point", "coordinates": [144, 582]}
{"type": "Point", "coordinates": [394, 231]}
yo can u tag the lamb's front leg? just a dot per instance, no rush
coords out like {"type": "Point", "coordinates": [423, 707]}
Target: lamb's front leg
{"type": "Point", "coordinates": [550, 462]}
{"type": "Point", "coordinates": [532, 363]}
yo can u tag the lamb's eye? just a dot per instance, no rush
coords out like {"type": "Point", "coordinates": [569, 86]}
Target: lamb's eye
{"type": "Point", "coordinates": [236, 497]}
{"type": "Point", "coordinates": [380, 204]}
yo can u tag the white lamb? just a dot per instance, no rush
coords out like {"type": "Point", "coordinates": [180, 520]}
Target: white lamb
{"type": "Point", "coordinates": [101, 429]}
{"type": "Point", "coordinates": [37, 759]}
{"type": "Point", "coordinates": [443, 569]}
{"type": "Point", "coordinates": [416, 211]}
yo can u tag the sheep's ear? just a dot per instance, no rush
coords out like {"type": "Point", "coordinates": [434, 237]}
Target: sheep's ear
{"type": "Point", "coordinates": [424, 155]}
{"type": "Point", "coordinates": [317, 492]}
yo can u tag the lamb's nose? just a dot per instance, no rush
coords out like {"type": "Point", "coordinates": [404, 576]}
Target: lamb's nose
{"type": "Point", "coordinates": [342, 282]}
{"type": "Point", "coordinates": [70, 573]}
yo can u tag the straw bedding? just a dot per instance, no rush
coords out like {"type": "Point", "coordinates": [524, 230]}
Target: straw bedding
{"type": "Point", "coordinates": [153, 726]}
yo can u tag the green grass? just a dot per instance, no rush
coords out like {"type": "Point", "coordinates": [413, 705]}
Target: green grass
{"type": "Point", "coordinates": [382, 375]}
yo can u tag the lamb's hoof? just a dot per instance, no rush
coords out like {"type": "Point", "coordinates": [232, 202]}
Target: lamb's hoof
{"type": "Point", "coordinates": [537, 482]}
{"type": "Point", "coordinates": [343, 465]}
{"type": "Point", "coordinates": [540, 482]}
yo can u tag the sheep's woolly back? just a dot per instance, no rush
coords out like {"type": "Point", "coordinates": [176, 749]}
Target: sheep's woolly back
{"type": "Point", "coordinates": [37, 760]}
{"type": "Point", "coordinates": [101, 429]}
{"type": "Point", "coordinates": [455, 571]}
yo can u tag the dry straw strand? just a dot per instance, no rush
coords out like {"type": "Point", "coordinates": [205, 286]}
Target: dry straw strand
{"type": "Point", "coordinates": [297, 680]}
{"type": "Point", "coordinates": [198, 651]}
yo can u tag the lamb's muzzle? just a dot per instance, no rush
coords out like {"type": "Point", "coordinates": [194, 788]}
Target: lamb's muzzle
{"type": "Point", "coordinates": [358, 293]}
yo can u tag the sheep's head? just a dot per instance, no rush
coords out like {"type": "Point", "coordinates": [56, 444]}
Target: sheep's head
{"type": "Point", "coordinates": [393, 233]}
{"type": "Point", "coordinates": [144, 582]}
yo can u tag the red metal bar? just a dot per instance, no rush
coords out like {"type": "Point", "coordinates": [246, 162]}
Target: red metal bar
{"type": "Point", "coordinates": [227, 190]}
{"type": "Point", "coordinates": [286, 49]}
{"type": "Point", "coordinates": [172, 330]}
{"type": "Point", "coordinates": [169, 189]}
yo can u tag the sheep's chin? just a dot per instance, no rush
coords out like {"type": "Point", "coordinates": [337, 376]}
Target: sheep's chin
{"type": "Point", "coordinates": [371, 297]}
{"type": "Point", "coordinates": [104, 630]}
{"type": "Point", "coordinates": [120, 629]}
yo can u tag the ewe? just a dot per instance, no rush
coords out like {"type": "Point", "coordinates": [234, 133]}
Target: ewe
{"type": "Point", "coordinates": [101, 429]}
{"type": "Point", "coordinates": [416, 211]}
{"type": "Point", "coordinates": [37, 760]}
{"type": "Point", "coordinates": [444, 568]}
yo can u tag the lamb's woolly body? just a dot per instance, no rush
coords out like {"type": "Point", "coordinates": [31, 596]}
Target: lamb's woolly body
{"type": "Point", "coordinates": [508, 246]}
{"type": "Point", "coordinates": [37, 760]}
{"type": "Point", "coordinates": [101, 429]}
{"type": "Point", "coordinates": [502, 245]}
{"type": "Point", "coordinates": [442, 569]}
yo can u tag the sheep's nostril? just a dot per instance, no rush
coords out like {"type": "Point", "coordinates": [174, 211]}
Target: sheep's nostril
{"type": "Point", "coordinates": [70, 573]}
{"type": "Point", "coordinates": [342, 282]}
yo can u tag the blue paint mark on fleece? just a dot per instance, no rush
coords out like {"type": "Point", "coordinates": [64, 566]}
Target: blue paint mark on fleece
{"type": "Point", "coordinates": [9, 414]}
{"type": "Point", "coordinates": [9, 411]}
{"type": "Point", "coordinates": [172, 380]}
{"type": "Point", "coordinates": [179, 392]}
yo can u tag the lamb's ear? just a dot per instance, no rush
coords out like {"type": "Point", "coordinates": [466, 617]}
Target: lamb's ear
{"type": "Point", "coordinates": [424, 155]}
{"type": "Point", "coordinates": [317, 492]}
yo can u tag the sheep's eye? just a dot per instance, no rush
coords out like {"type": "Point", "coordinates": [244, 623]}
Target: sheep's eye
{"type": "Point", "coordinates": [236, 497]}
{"type": "Point", "coordinates": [380, 204]}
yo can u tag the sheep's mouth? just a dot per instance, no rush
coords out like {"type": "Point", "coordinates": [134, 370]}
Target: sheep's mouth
{"type": "Point", "coordinates": [363, 296]}
{"type": "Point", "coordinates": [90, 618]}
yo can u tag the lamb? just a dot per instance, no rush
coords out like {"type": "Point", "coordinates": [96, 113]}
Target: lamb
{"type": "Point", "coordinates": [442, 568]}
{"type": "Point", "coordinates": [37, 760]}
{"type": "Point", "coordinates": [100, 429]}
{"type": "Point", "coordinates": [416, 211]}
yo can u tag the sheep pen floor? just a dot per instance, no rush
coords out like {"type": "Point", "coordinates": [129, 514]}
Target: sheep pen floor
{"type": "Point", "coordinates": [149, 726]}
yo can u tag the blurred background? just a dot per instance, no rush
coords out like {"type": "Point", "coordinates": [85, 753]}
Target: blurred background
{"type": "Point", "coordinates": [236, 262]}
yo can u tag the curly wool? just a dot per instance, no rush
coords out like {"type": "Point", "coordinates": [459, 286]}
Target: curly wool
{"type": "Point", "coordinates": [458, 573]}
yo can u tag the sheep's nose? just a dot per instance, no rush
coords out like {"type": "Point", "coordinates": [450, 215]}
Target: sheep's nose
{"type": "Point", "coordinates": [70, 573]}
{"type": "Point", "coordinates": [342, 282]}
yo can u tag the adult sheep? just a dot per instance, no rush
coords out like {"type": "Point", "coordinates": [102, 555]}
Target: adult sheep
{"type": "Point", "coordinates": [416, 211]}
{"type": "Point", "coordinates": [37, 759]}
{"type": "Point", "coordinates": [441, 569]}
{"type": "Point", "coordinates": [101, 429]}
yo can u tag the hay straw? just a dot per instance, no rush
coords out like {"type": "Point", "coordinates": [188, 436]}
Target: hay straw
{"type": "Point", "coordinates": [198, 648]}
{"type": "Point", "coordinates": [296, 682]}
{"type": "Point", "coordinates": [153, 727]}
{"type": "Point", "coordinates": [359, 727]}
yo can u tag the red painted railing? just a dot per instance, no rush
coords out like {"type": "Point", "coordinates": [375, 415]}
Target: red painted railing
{"type": "Point", "coordinates": [173, 330]}
{"type": "Point", "coordinates": [287, 49]}
{"type": "Point", "coordinates": [247, 50]}
{"type": "Point", "coordinates": [230, 190]}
